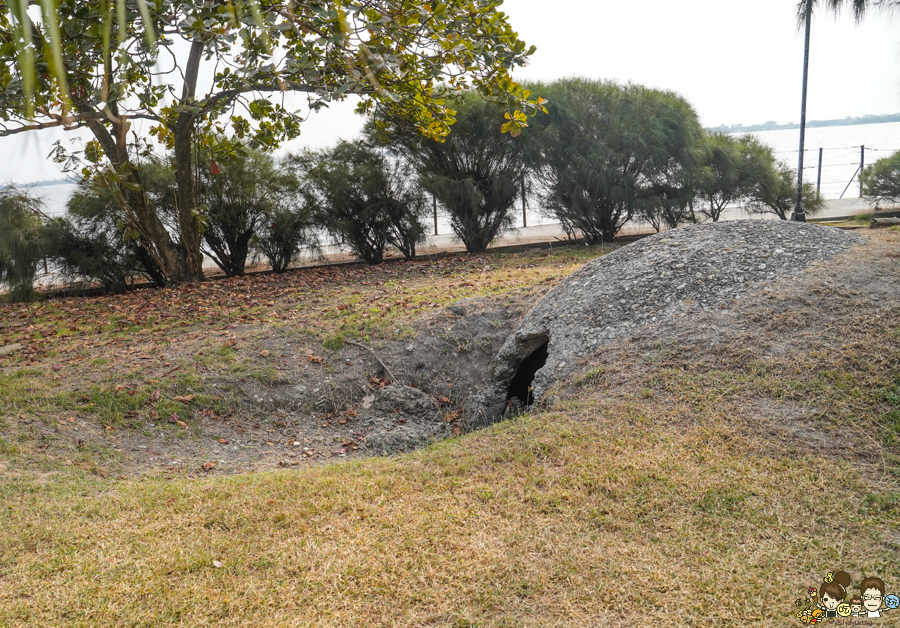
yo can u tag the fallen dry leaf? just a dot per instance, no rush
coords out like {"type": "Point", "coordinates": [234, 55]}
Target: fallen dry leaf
{"type": "Point", "coordinates": [368, 400]}
{"type": "Point", "coordinates": [315, 359]}
{"type": "Point", "coordinates": [155, 396]}
{"type": "Point", "coordinates": [208, 466]}
{"type": "Point", "coordinates": [441, 400]}
{"type": "Point", "coordinates": [223, 441]}
{"type": "Point", "coordinates": [217, 564]}
{"type": "Point", "coordinates": [183, 398]}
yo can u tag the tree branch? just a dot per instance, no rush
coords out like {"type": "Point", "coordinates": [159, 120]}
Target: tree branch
{"type": "Point", "coordinates": [192, 70]}
{"type": "Point", "coordinates": [374, 355]}
{"type": "Point", "coordinates": [70, 123]}
{"type": "Point", "coordinates": [44, 125]}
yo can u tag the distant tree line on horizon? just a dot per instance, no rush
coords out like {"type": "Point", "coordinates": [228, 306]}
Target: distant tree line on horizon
{"type": "Point", "coordinates": [774, 126]}
{"type": "Point", "coordinates": [602, 155]}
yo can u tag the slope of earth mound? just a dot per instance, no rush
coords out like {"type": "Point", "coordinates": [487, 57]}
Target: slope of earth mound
{"type": "Point", "coordinates": [693, 269]}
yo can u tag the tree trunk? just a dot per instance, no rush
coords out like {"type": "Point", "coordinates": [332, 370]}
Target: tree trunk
{"type": "Point", "coordinates": [185, 195]}
{"type": "Point", "coordinates": [164, 251]}
{"type": "Point", "coordinates": [186, 205]}
{"type": "Point", "coordinates": [158, 242]}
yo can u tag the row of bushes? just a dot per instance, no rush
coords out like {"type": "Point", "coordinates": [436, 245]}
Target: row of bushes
{"type": "Point", "coordinates": [601, 155]}
{"type": "Point", "coordinates": [254, 207]}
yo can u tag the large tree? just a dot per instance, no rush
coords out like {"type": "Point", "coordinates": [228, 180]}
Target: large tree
{"type": "Point", "coordinates": [238, 192]}
{"type": "Point", "coordinates": [92, 243]}
{"type": "Point", "coordinates": [364, 198]}
{"type": "Point", "coordinates": [188, 65]}
{"type": "Point", "coordinates": [776, 194]}
{"type": "Point", "coordinates": [733, 170]}
{"type": "Point", "coordinates": [771, 185]}
{"type": "Point", "coordinates": [20, 241]}
{"type": "Point", "coordinates": [475, 173]}
{"type": "Point", "coordinates": [606, 151]}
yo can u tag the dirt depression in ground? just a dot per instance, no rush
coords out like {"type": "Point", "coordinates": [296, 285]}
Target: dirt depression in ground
{"type": "Point", "coordinates": [269, 394]}
{"type": "Point", "coordinates": [262, 372]}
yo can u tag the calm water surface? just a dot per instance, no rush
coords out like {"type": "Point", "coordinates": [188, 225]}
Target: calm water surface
{"type": "Point", "coordinates": [840, 154]}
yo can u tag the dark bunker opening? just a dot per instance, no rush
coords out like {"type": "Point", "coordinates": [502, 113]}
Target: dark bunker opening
{"type": "Point", "coordinates": [520, 386]}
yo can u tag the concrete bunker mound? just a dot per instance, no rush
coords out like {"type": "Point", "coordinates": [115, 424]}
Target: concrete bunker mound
{"type": "Point", "coordinates": [692, 269]}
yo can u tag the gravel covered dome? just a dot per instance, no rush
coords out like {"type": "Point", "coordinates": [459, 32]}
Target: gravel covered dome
{"type": "Point", "coordinates": [642, 284]}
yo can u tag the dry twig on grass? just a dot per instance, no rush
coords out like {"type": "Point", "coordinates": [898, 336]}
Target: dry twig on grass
{"type": "Point", "coordinates": [377, 359]}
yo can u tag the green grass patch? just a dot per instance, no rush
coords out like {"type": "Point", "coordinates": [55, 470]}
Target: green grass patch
{"type": "Point", "coordinates": [723, 502]}
{"type": "Point", "coordinates": [887, 503]}
{"type": "Point", "coordinates": [591, 376]}
{"type": "Point", "coordinates": [24, 391]}
{"type": "Point", "coordinates": [335, 342]}
{"type": "Point", "coordinates": [7, 448]}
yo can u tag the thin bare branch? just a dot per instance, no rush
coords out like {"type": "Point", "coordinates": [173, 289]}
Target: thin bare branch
{"type": "Point", "coordinates": [69, 123]}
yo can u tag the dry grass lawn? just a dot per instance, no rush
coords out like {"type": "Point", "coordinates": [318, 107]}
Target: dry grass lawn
{"type": "Point", "coordinates": [701, 473]}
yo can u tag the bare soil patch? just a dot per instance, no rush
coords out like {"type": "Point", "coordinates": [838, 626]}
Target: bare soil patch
{"type": "Point", "coordinates": [262, 372]}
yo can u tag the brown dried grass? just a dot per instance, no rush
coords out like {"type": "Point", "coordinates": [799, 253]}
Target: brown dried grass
{"type": "Point", "coordinates": [673, 487]}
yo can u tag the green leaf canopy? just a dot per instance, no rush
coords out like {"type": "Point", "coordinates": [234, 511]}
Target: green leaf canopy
{"type": "Point", "coordinates": [101, 64]}
{"type": "Point", "coordinates": [606, 150]}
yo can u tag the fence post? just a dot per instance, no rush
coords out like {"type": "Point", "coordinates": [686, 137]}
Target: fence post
{"type": "Point", "coordinates": [524, 218]}
{"type": "Point", "coordinates": [862, 164]}
{"type": "Point", "coordinates": [434, 199]}
{"type": "Point", "coordinates": [819, 178]}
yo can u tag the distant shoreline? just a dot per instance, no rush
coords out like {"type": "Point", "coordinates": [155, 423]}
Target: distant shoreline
{"type": "Point", "coordinates": [45, 183]}
{"type": "Point", "coordinates": [774, 126]}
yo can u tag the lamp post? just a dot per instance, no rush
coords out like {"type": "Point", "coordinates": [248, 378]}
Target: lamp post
{"type": "Point", "coordinates": [799, 215]}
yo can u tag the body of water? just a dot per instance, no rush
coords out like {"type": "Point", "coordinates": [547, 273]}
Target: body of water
{"type": "Point", "coordinates": [840, 155]}
{"type": "Point", "coordinates": [54, 197]}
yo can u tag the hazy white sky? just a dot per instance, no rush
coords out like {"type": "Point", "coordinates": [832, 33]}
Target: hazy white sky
{"type": "Point", "coordinates": [735, 61]}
